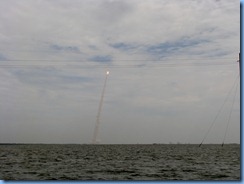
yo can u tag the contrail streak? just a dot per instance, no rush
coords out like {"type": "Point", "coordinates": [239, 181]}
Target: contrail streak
{"type": "Point", "coordinates": [94, 140]}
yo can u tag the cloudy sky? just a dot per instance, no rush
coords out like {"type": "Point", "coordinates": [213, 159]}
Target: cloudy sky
{"type": "Point", "coordinates": [173, 71]}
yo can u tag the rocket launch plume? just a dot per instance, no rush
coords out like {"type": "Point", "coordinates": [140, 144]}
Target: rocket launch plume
{"type": "Point", "coordinates": [94, 140]}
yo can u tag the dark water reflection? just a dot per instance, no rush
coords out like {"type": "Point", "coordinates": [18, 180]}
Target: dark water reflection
{"type": "Point", "coordinates": [119, 162]}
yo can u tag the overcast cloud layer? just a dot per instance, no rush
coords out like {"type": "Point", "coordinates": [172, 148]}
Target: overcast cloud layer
{"type": "Point", "coordinates": [172, 63]}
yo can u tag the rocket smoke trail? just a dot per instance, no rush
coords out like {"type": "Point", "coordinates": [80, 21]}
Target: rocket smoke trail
{"type": "Point", "coordinates": [94, 140]}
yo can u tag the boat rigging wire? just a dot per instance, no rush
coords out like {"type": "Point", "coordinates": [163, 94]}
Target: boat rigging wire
{"type": "Point", "coordinates": [218, 113]}
{"type": "Point", "coordinates": [91, 65]}
{"type": "Point", "coordinates": [230, 115]}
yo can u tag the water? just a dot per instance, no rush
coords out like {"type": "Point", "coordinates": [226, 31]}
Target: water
{"type": "Point", "coordinates": [120, 162]}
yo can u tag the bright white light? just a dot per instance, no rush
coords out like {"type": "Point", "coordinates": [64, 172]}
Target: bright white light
{"type": "Point", "coordinates": [107, 72]}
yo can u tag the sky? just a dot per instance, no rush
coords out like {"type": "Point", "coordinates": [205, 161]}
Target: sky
{"type": "Point", "coordinates": [174, 75]}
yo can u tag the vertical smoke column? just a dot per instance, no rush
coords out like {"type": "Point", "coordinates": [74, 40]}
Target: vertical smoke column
{"type": "Point", "coordinates": [94, 140]}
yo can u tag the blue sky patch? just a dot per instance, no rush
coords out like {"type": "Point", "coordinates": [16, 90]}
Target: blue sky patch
{"type": "Point", "coordinates": [102, 59]}
{"type": "Point", "coordinates": [75, 79]}
{"type": "Point", "coordinates": [48, 78]}
{"type": "Point", "coordinates": [122, 46]}
{"type": "Point", "coordinates": [56, 47]}
{"type": "Point", "coordinates": [167, 48]}
{"type": "Point", "coordinates": [3, 58]}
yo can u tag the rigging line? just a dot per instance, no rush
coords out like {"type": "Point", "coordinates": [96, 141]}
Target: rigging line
{"type": "Point", "coordinates": [231, 110]}
{"type": "Point", "coordinates": [93, 67]}
{"type": "Point", "coordinates": [142, 64]}
{"type": "Point", "coordinates": [159, 65]}
{"type": "Point", "coordinates": [219, 111]}
{"type": "Point", "coordinates": [87, 60]}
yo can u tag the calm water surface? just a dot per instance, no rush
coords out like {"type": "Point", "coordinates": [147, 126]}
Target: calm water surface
{"type": "Point", "coordinates": [120, 162]}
